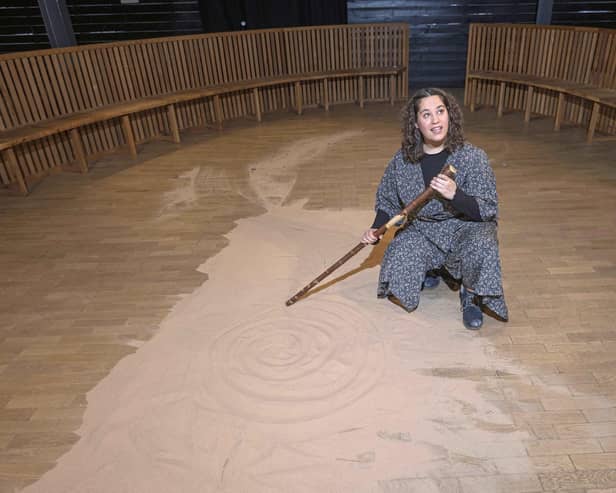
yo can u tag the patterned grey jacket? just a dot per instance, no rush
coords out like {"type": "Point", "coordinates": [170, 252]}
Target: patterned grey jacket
{"type": "Point", "coordinates": [402, 182]}
{"type": "Point", "coordinates": [446, 230]}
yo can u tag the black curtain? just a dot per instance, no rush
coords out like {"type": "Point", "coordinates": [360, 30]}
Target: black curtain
{"type": "Point", "coordinates": [234, 15]}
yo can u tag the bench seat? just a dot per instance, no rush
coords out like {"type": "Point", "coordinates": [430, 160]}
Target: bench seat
{"type": "Point", "coordinates": [11, 138]}
{"type": "Point", "coordinates": [597, 95]}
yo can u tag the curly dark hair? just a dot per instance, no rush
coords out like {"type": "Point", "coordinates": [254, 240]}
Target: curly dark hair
{"type": "Point", "coordinates": [412, 140]}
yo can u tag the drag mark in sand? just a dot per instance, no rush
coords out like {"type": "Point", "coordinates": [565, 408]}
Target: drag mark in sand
{"type": "Point", "coordinates": [273, 177]}
{"type": "Point", "coordinates": [184, 195]}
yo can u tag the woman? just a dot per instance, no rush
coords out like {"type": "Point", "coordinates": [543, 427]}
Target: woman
{"type": "Point", "coordinates": [457, 230]}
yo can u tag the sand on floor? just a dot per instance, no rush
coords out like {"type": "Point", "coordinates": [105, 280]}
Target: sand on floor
{"type": "Point", "coordinates": [339, 392]}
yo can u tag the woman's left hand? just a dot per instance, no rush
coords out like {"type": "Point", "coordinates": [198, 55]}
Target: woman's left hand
{"type": "Point", "coordinates": [444, 185]}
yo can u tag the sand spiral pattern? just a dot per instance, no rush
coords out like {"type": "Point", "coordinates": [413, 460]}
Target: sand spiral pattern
{"type": "Point", "coordinates": [290, 365]}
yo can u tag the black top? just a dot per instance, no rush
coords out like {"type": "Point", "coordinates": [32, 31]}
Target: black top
{"type": "Point", "coordinates": [431, 164]}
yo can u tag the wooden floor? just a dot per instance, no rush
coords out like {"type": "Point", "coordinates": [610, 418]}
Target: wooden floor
{"type": "Point", "coordinates": [91, 265]}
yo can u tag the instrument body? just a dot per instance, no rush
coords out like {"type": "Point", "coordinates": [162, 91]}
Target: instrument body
{"type": "Point", "coordinates": [409, 209]}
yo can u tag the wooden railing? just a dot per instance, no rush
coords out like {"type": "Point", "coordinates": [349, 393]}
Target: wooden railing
{"type": "Point", "coordinates": [59, 108]}
{"type": "Point", "coordinates": [568, 73]}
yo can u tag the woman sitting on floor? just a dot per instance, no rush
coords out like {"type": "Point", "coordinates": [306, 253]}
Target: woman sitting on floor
{"type": "Point", "coordinates": [456, 231]}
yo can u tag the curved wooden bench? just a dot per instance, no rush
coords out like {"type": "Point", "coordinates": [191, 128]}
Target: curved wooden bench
{"type": "Point", "coordinates": [239, 87]}
{"type": "Point", "coordinates": [72, 123]}
{"type": "Point", "coordinates": [563, 72]}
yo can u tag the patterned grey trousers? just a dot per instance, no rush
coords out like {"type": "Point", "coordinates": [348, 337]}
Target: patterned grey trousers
{"type": "Point", "coordinates": [473, 259]}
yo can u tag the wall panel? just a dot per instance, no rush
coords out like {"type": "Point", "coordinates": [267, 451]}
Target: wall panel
{"type": "Point", "coordinates": [21, 26]}
{"type": "Point", "coordinates": [600, 13]}
{"type": "Point", "coordinates": [439, 29]}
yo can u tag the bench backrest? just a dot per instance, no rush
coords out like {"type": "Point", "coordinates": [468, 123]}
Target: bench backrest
{"type": "Point", "coordinates": [41, 85]}
{"type": "Point", "coordinates": [603, 72]}
{"type": "Point", "coordinates": [554, 52]}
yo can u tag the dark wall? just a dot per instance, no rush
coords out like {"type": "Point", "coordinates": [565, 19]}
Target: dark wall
{"type": "Point", "coordinates": [99, 21]}
{"type": "Point", "coordinates": [583, 13]}
{"type": "Point", "coordinates": [438, 28]}
{"type": "Point", "coordinates": [21, 26]}
{"type": "Point", "coordinates": [228, 15]}
{"type": "Point", "coordinates": [439, 31]}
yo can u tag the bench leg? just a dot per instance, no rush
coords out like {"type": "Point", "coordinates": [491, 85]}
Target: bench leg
{"type": "Point", "coordinates": [529, 103]}
{"type": "Point", "coordinates": [471, 96]}
{"type": "Point", "coordinates": [257, 104]}
{"type": "Point", "coordinates": [467, 86]}
{"type": "Point", "coordinates": [392, 89]}
{"type": "Point", "coordinates": [559, 111]}
{"type": "Point", "coordinates": [501, 100]}
{"type": "Point", "coordinates": [80, 153]}
{"type": "Point", "coordinates": [361, 91]}
{"type": "Point", "coordinates": [174, 128]}
{"type": "Point", "coordinates": [580, 117]}
{"type": "Point", "coordinates": [298, 98]}
{"type": "Point", "coordinates": [8, 156]}
{"type": "Point", "coordinates": [129, 136]}
{"type": "Point", "coordinates": [593, 123]}
{"type": "Point", "coordinates": [325, 94]}
{"type": "Point", "coordinates": [218, 112]}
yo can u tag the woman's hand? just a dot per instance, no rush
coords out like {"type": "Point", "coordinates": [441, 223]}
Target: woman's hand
{"type": "Point", "coordinates": [368, 237]}
{"type": "Point", "coordinates": [444, 185]}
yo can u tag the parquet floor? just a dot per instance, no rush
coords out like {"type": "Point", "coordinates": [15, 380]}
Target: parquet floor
{"type": "Point", "coordinates": [91, 265]}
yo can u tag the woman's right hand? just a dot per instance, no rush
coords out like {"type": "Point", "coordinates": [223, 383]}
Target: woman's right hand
{"type": "Point", "coordinates": [369, 237]}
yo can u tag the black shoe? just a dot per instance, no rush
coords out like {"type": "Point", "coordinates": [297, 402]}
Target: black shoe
{"type": "Point", "coordinates": [471, 313]}
{"type": "Point", "coordinates": [430, 281]}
